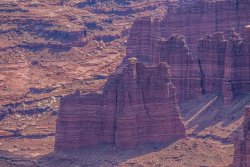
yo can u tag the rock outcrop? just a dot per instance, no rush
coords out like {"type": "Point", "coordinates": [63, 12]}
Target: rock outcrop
{"type": "Point", "coordinates": [242, 147]}
{"type": "Point", "coordinates": [211, 54]}
{"type": "Point", "coordinates": [137, 106]}
{"type": "Point", "coordinates": [237, 66]}
{"type": "Point", "coordinates": [204, 70]}
{"type": "Point", "coordinates": [173, 50]}
{"type": "Point", "coordinates": [200, 17]}
{"type": "Point", "coordinates": [184, 68]}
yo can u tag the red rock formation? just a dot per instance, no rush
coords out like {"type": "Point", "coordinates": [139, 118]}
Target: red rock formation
{"type": "Point", "coordinates": [193, 21]}
{"type": "Point", "coordinates": [223, 64]}
{"type": "Point", "coordinates": [184, 68]}
{"type": "Point", "coordinates": [237, 66]}
{"type": "Point", "coordinates": [211, 53]}
{"type": "Point", "coordinates": [138, 106]}
{"type": "Point", "coordinates": [242, 147]}
{"type": "Point", "coordinates": [143, 38]}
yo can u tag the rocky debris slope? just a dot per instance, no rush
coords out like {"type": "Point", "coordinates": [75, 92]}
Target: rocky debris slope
{"type": "Point", "coordinates": [241, 154]}
{"type": "Point", "coordinates": [137, 106]}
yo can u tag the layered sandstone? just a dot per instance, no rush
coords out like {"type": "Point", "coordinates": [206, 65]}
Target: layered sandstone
{"type": "Point", "coordinates": [237, 66]}
{"type": "Point", "coordinates": [143, 38]}
{"type": "Point", "coordinates": [211, 53]}
{"type": "Point", "coordinates": [191, 19]}
{"type": "Point", "coordinates": [195, 19]}
{"type": "Point", "coordinates": [221, 63]}
{"type": "Point", "coordinates": [135, 107]}
{"type": "Point", "coordinates": [184, 68]}
{"type": "Point", "coordinates": [197, 71]}
{"type": "Point", "coordinates": [242, 147]}
{"type": "Point", "coordinates": [225, 64]}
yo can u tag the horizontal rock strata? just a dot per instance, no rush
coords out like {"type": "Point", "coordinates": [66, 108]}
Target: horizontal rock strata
{"type": "Point", "coordinates": [137, 106]}
{"type": "Point", "coordinates": [184, 68]}
{"type": "Point", "coordinates": [206, 69]}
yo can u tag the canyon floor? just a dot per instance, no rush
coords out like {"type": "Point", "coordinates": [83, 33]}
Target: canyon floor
{"type": "Point", "coordinates": [35, 73]}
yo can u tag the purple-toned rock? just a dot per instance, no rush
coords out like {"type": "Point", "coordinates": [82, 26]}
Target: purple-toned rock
{"type": "Point", "coordinates": [211, 54]}
{"type": "Point", "coordinates": [237, 65]}
{"type": "Point", "coordinates": [137, 106]}
{"type": "Point", "coordinates": [143, 38]}
{"type": "Point", "coordinates": [184, 68]}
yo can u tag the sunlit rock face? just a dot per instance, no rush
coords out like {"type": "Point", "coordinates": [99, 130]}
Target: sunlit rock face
{"type": "Point", "coordinates": [137, 106]}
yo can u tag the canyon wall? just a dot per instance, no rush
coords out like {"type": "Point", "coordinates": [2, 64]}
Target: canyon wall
{"type": "Point", "coordinates": [183, 67]}
{"type": "Point", "coordinates": [199, 63]}
{"type": "Point", "coordinates": [225, 63]}
{"type": "Point", "coordinates": [193, 20]}
{"type": "Point", "coordinates": [135, 107]}
{"type": "Point", "coordinates": [242, 146]}
{"type": "Point", "coordinates": [211, 53]}
{"type": "Point", "coordinates": [138, 104]}
{"type": "Point", "coordinates": [237, 66]}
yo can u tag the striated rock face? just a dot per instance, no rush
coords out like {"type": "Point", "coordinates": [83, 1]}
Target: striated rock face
{"type": "Point", "coordinates": [193, 20]}
{"type": "Point", "coordinates": [225, 64]}
{"type": "Point", "coordinates": [184, 68]}
{"type": "Point", "coordinates": [242, 147]}
{"type": "Point", "coordinates": [221, 64]}
{"type": "Point", "coordinates": [237, 66]}
{"type": "Point", "coordinates": [143, 39]}
{"type": "Point", "coordinates": [211, 53]}
{"type": "Point", "coordinates": [137, 106]}
{"type": "Point", "coordinates": [206, 69]}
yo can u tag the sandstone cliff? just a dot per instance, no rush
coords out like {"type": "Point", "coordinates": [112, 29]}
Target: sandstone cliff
{"type": "Point", "coordinates": [193, 20]}
{"type": "Point", "coordinates": [184, 68]}
{"type": "Point", "coordinates": [196, 71]}
{"type": "Point", "coordinates": [211, 53]}
{"type": "Point", "coordinates": [237, 66]}
{"type": "Point", "coordinates": [137, 106]}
